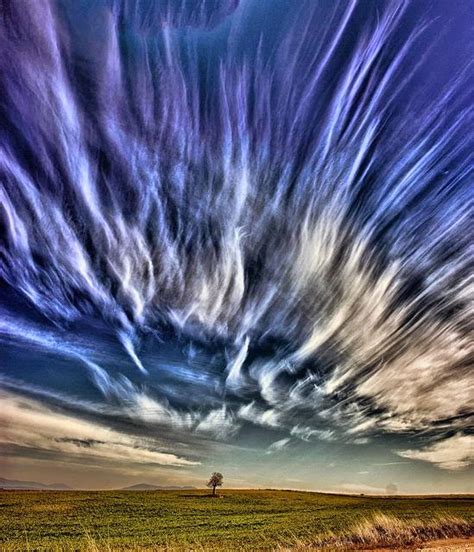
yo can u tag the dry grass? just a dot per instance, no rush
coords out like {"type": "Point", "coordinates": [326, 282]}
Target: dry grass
{"type": "Point", "coordinates": [246, 520]}
{"type": "Point", "coordinates": [380, 531]}
{"type": "Point", "coordinates": [384, 531]}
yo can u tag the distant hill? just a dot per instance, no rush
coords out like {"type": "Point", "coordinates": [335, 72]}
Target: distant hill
{"type": "Point", "coordinates": [34, 485]}
{"type": "Point", "coordinates": [148, 487]}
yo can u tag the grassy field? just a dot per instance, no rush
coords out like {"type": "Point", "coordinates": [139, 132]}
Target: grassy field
{"type": "Point", "coordinates": [239, 520]}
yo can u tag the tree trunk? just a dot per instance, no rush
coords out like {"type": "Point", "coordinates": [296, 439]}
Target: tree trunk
{"type": "Point", "coordinates": [214, 490]}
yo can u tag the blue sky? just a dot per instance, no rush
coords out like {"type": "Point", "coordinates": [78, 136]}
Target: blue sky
{"type": "Point", "coordinates": [235, 237]}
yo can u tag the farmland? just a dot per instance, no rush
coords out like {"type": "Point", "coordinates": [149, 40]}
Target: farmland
{"type": "Point", "coordinates": [238, 520]}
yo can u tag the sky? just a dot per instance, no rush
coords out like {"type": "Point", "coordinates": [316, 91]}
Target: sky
{"type": "Point", "coordinates": [235, 236]}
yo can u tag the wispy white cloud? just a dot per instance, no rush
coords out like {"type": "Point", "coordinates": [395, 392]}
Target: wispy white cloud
{"type": "Point", "coordinates": [255, 414]}
{"type": "Point", "coordinates": [31, 425]}
{"type": "Point", "coordinates": [234, 368]}
{"type": "Point", "coordinates": [453, 453]}
{"type": "Point", "coordinates": [219, 423]}
{"type": "Point", "coordinates": [306, 433]}
{"type": "Point", "coordinates": [138, 404]}
{"type": "Point", "coordinates": [277, 446]}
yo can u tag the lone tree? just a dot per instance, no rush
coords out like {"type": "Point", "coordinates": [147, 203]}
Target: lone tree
{"type": "Point", "coordinates": [215, 481]}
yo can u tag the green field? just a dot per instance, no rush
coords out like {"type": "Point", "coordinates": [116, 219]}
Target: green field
{"type": "Point", "coordinates": [185, 520]}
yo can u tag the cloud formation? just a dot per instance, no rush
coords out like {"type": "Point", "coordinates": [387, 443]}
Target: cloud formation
{"type": "Point", "coordinates": [453, 453]}
{"type": "Point", "coordinates": [290, 212]}
{"type": "Point", "coordinates": [38, 430]}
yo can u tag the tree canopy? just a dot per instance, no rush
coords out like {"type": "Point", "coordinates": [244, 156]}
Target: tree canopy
{"type": "Point", "coordinates": [216, 480]}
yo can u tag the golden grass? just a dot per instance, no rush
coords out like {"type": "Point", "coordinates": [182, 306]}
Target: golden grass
{"type": "Point", "coordinates": [379, 532]}
{"type": "Point", "coordinates": [385, 531]}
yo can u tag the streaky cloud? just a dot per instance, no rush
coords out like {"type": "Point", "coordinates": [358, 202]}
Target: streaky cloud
{"type": "Point", "coordinates": [297, 206]}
